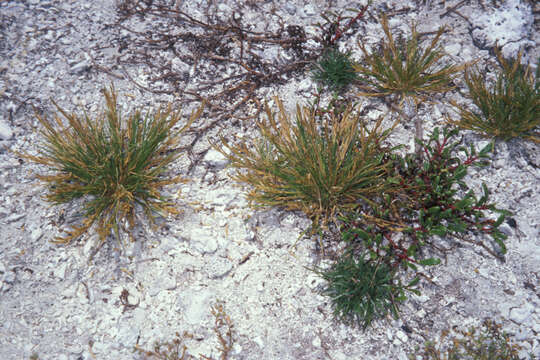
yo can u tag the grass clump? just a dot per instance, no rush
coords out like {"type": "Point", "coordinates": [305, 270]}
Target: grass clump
{"type": "Point", "coordinates": [403, 67]}
{"type": "Point", "coordinates": [114, 165]}
{"type": "Point", "coordinates": [486, 343]}
{"type": "Point", "coordinates": [510, 108]}
{"type": "Point", "coordinates": [334, 70]}
{"type": "Point", "coordinates": [363, 289]}
{"type": "Point", "coordinates": [319, 164]}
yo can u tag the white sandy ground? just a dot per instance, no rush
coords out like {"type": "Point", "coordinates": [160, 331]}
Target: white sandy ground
{"type": "Point", "coordinates": [54, 303]}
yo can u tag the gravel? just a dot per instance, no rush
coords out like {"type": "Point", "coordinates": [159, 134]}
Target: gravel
{"type": "Point", "coordinates": [60, 303]}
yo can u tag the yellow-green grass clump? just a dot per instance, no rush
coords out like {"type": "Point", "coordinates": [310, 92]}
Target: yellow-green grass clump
{"type": "Point", "coordinates": [114, 165]}
{"type": "Point", "coordinates": [405, 68]}
{"type": "Point", "coordinates": [508, 109]}
{"type": "Point", "coordinates": [319, 164]}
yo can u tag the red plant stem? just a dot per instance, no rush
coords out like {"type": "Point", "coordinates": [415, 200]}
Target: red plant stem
{"type": "Point", "coordinates": [401, 253]}
{"type": "Point", "coordinates": [339, 33]}
{"type": "Point", "coordinates": [440, 147]}
{"type": "Point", "coordinates": [469, 161]}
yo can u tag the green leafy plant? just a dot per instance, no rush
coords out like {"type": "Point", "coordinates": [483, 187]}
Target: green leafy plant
{"type": "Point", "coordinates": [434, 201]}
{"type": "Point", "coordinates": [177, 350]}
{"type": "Point", "coordinates": [508, 109]}
{"type": "Point", "coordinates": [319, 165]}
{"type": "Point", "coordinates": [485, 343]}
{"type": "Point", "coordinates": [388, 246]}
{"type": "Point", "coordinates": [334, 70]}
{"type": "Point", "coordinates": [363, 289]}
{"type": "Point", "coordinates": [438, 200]}
{"type": "Point", "coordinates": [115, 166]}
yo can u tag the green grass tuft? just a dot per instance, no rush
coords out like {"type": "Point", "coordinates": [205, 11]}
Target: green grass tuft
{"type": "Point", "coordinates": [405, 68]}
{"type": "Point", "coordinates": [334, 70]}
{"type": "Point", "coordinates": [508, 109]}
{"type": "Point", "coordinates": [319, 165]}
{"type": "Point", "coordinates": [362, 290]}
{"type": "Point", "coordinates": [115, 166]}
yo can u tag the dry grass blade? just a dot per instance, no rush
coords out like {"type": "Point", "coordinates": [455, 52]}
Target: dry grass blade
{"type": "Point", "coordinates": [320, 165]}
{"type": "Point", "coordinates": [508, 109]}
{"type": "Point", "coordinates": [114, 165]}
{"type": "Point", "coordinates": [404, 68]}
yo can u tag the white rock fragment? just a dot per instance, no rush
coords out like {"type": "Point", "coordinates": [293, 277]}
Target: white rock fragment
{"type": "Point", "coordinates": [305, 85]}
{"type": "Point", "coordinates": [224, 8]}
{"type": "Point", "coordinates": [453, 49]}
{"type": "Point", "coordinates": [216, 159]}
{"type": "Point", "coordinates": [290, 8]}
{"type": "Point", "coordinates": [402, 336]}
{"type": "Point", "coordinates": [511, 22]}
{"type": "Point", "coordinates": [36, 234]}
{"type": "Point", "coordinates": [420, 298]}
{"type": "Point", "coordinates": [5, 131]}
{"type": "Point", "coordinates": [7, 278]}
{"type": "Point", "coordinates": [14, 217]}
{"type": "Point", "coordinates": [60, 270]}
{"type": "Point", "coordinates": [259, 341]}
{"type": "Point", "coordinates": [203, 240]}
{"type": "Point", "coordinates": [522, 314]}
{"type": "Point", "coordinates": [222, 197]}
{"type": "Point", "coordinates": [3, 212]}
{"type": "Point", "coordinates": [127, 335]}
{"type": "Point", "coordinates": [195, 305]}
{"type": "Point", "coordinates": [338, 355]}
{"type": "Point", "coordinates": [218, 267]}
{"type": "Point", "coordinates": [309, 10]}
{"type": "Point", "coordinates": [506, 229]}
{"type": "Point", "coordinates": [163, 281]}
{"type": "Point", "coordinates": [68, 292]}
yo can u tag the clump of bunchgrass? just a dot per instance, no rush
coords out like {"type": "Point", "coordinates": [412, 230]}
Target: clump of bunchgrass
{"type": "Point", "coordinates": [363, 289]}
{"type": "Point", "coordinates": [334, 70]}
{"type": "Point", "coordinates": [510, 108]}
{"type": "Point", "coordinates": [486, 343]}
{"type": "Point", "coordinates": [405, 68]}
{"type": "Point", "coordinates": [319, 164]}
{"type": "Point", "coordinates": [115, 165]}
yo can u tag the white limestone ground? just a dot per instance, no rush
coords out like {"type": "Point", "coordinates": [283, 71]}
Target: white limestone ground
{"type": "Point", "coordinates": [55, 303]}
